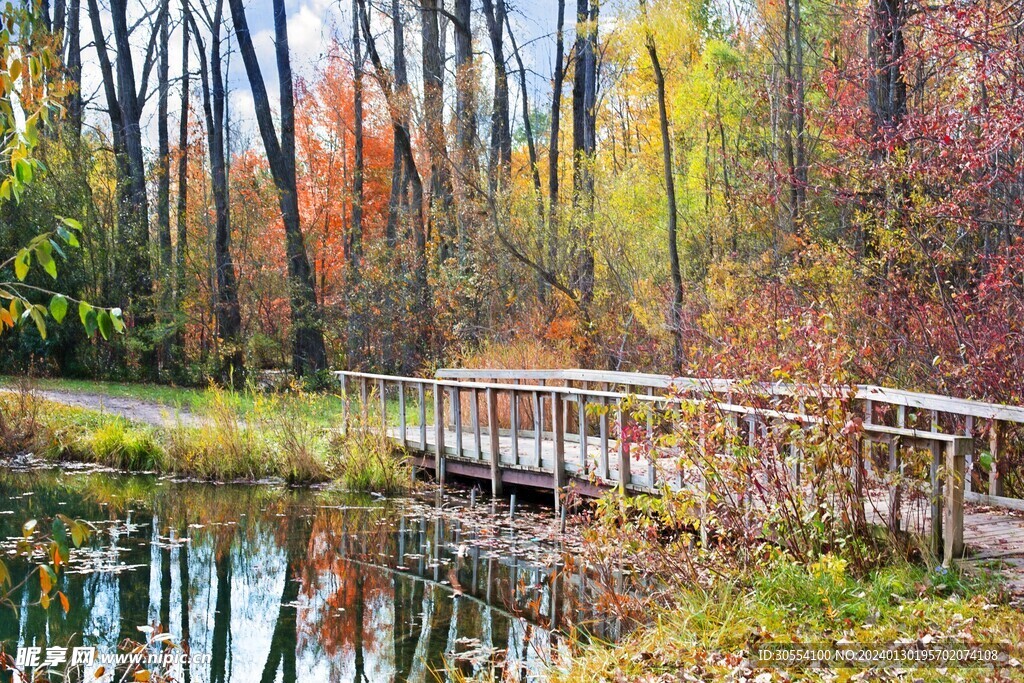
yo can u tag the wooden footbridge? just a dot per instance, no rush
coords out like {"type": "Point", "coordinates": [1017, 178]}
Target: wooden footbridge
{"type": "Point", "coordinates": [552, 429]}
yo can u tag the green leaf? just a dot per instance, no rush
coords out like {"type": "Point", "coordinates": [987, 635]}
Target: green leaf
{"type": "Point", "coordinates": [58, 307]}
{"type": "Point", "coordinates": [44, 255]}
{"type": "Point", "coordinates": [21, 263]}
{"type": "Point", "coordinates": [5, 576]}
{"type": "Point", "coordinates": [71, 223]}
{"type": "Point", "coordinates": [83, 311]}
{"type": "Point", "coordinates": [105, 324]}
{"type": "Point", "coordinates": [90, 323]}
{"type": "Point", "coordinates": [23, 171]}
{"type": "Point", "coordinates": [985, 460]}
{"type": "Point", "coordinates": [38, 319]}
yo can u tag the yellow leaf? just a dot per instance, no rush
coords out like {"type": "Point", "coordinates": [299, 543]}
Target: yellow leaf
{"type": "Point", "coordinates": [142, 675]}
{"type": "Point", "coordinates": [45, 601]}
{"type": "Point", "coordinates": [44, 580]}
{"type": "Point", "coordinates": [99, 672]}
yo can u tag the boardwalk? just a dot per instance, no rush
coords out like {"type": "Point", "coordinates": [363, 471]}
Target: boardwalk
{"type": "Point", "coordinates": [560, 428]}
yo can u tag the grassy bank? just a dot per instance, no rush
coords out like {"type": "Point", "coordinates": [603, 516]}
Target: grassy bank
{"type": "Point", "coordinates": [238, 436]}
{"type": "Point", "coordinates": [713, 633]}
{"type": "Point", "coordinates": [320, 409]}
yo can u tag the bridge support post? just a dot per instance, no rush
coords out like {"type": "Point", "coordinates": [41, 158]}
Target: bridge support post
{"type": "Point", "coordinates": [439, 433]}
{"type": "Point", "coordinates": [494, 441]}
{"type": "Point", "coordinates": [558, 438]}
{"type": "Point", "coordinates": [995, 472]}
{"type": "Point", "coordinates": [625, 476]}
{"type": "Point", "coordinates": [936, 498]}
{"type": "Point", "coordinates": [956, 469]}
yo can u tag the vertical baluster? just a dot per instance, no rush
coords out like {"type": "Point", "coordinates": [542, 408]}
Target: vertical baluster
{"type": "Point", "coordinates": [956, 471]}
{"type": "Point", "coordinates": [439, 447]}
{"type": "Point", "coordinates": [896, 472]}
{"type": "Point", "coordinates": [513, 423]}
{"type": "Point", "coordinates": [581, 403]}
{"type": "Point", "coordinates": [558, 438]}
{"type": "Point", "coordinates": [995, 447]}
{"type": "Point", "coordinates": [538, 427]}
{"type": "Point", "coordinates": [423, 415]}
{"type": "Point", "coordinates": [364, 399]}
{"type": "Point", "coordinates": [474, 418]}
{"type": "Point", "coordinates": [625, 478]}
{"type": "Point", "coordinates": [457, 418]}
{"type": "Point", "coordinates": [969, 431]}
{"type": "Point", "coordinates": [602, 466]}
{"type": "Point", "coordinates": [495, 442]}
{"type": "Point", "coordinates": [936, 485]}
{"type": "Point", "coordinates": [650, 415]}
{"type": "Point", "coordinates": [401, 414]}
{"type": "Point", "coordinates": [383, 407]}
{"type": "Point", "coordinates": [344, 402]}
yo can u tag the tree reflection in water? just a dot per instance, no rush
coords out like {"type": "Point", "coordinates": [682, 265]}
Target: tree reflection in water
{"type": "Point", "coordinates": [278, 584]}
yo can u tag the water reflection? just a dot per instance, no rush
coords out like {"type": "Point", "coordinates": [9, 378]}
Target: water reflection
{"type": "Point", "coordinates": [275, 584]}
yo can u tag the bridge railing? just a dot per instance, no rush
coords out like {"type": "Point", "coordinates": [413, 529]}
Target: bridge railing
{"type": "Point", "coordinates": [519, 432]}
{"type": "Point", "coordinates": [881, 406]}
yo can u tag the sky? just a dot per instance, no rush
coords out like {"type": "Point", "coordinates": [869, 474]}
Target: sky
{"type": "Point", "coordinates": [312, 25]}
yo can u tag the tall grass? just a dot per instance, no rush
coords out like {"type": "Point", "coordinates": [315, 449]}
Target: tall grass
{"type": "Point", "coordinates": [247, 435]}
{"type": "Point", "coordinates": [367, 461]}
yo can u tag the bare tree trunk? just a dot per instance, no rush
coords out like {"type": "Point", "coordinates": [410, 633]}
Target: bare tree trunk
{"type": "Point", "coordinates": [465, 119]}
{"type": "Point", "coordinates": [135, 262]}
{"type": "Point", "coordinates": [163, 180]}
{"type": "Point", "coordinates": [584, 116]}
{"type": "Point", "coordinates": [73, 65]}
{"type": "Point", "coordinates": [308, 352]}
{"type": "Point", "coordinates": [356, 235]}
{"type": "Point", "coordinates": [228, 312]}
{"type": "Point", "coordinates": [399, 173]}
{"type": "Point", "coordinates": [181, 210]}
{"type": "Point", "coordinates": [675, 317]}
{"type": "Point", "coordinates": [433, 110]}
{"type": "Point", "coordinates": [501, 136]}
{"type": "Point", "coordinates": [556, 110]}
{"type": "Point", "coordinates": [355, 326]}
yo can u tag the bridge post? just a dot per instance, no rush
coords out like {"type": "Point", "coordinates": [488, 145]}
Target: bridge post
{"type": "Point", "coordinates": [558, 435]}
{"type": "Point", "coordinates": [896, 472]}
{"type": "Point", "coordinates": [439, 433]}
{"type": "Point", "coordinates": [581, 404]}
{"type": "Point", "coordinates": [995, 479]}
{"type": "Point", "coordinates": [513, 423]}
{"type": "Point", "coordinates": [936, 498]}
{"type": "Point", "coordinates": [344, 403]}
{"type": "Point", "coordinates": [401, 414]}
{"type": "Point", "coordinates": [602, 466]}
{"type": "Point", "coordinates": [494, 441]}
{"type": "Point", "coordinates": [956, 469]}
{"type": "Point", "coordinates": [423, 415]}
{"type": "Point", "coordinates": [625, 476]}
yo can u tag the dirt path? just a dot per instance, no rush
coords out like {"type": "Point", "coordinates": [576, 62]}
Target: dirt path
{"type": "Point", "coordinates": [156, 414]}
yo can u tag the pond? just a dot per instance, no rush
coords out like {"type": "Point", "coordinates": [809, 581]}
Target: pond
{"type": "Point", "coordinates": [272, 583]}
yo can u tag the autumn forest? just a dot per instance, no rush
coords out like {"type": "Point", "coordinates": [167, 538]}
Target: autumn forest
{"type": "Point", "coordinates": [762, 188]}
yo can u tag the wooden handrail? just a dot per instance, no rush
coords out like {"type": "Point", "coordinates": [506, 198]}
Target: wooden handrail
{"type": "Point", "coordinates": [549, 406]}
{"type": "Point", "coordinates": [899, 397]}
